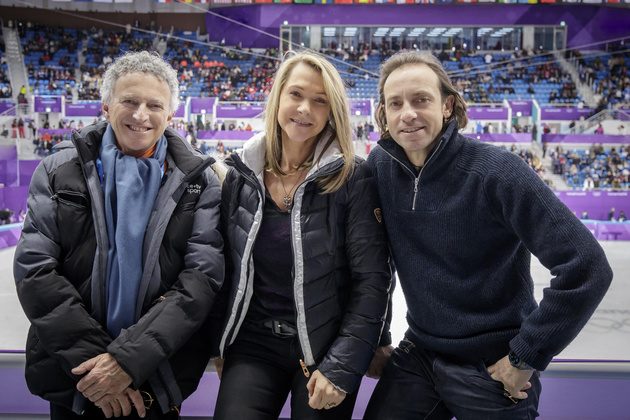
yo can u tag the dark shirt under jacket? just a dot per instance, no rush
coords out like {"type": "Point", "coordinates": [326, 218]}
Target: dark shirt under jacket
{"type": "Point", "coordinates": [273, 262]}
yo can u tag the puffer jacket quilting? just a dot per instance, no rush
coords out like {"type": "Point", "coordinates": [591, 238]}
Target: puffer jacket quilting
{"type": "Point", "coordinates": [60, 266]}
{"type": "Point", "coordinates": [341, 272]}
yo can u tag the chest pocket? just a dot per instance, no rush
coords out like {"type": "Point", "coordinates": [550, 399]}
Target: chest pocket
{"type": "Point", "coordinates": [179, 229]}
{"type": "Point", "coordinates": [74, 217]}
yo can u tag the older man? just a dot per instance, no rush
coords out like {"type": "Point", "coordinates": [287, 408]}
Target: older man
{"type": "Point", "coordinates": [121, 257]}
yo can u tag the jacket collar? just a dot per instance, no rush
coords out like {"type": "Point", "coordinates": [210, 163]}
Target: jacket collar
{"type": "Point", "coordinates": [253, 154]}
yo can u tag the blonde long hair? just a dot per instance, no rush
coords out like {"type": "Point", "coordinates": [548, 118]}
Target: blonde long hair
{"type": "Point", "coordinates": [338, 119]}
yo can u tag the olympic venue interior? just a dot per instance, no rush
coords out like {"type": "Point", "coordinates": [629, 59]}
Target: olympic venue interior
{"type": "Point", "coordinates": [548, 81]}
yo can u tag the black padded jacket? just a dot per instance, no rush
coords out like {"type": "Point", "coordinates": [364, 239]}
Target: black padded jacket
{"type": "Point", "coordinates": [60, 266]}
{"type": "Point", "coordinates": [341, 275]}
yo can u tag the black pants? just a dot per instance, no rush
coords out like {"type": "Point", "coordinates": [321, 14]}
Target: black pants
{"type": "Point", "coordinates": [154, 412]}
{"type": "Point", "coordinates": [418, 384]}
{"type": "Point", "coordinates": [259, 372]}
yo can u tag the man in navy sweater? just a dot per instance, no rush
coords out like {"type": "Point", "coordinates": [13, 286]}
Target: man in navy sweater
{"type": "Point", "coordinates": [463, 219]}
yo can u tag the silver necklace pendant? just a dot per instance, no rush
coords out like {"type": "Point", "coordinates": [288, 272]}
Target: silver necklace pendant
{"type": "Point", "coordinates": [287, 202]}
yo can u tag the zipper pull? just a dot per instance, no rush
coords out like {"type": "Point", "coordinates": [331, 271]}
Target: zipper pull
{"type": "Point", "coordinates": [304, 368]}
{"type": "Point", "coordinates": [54, 197]}
{"type": "Point", "coordinates": [415, 192]}
{"type": "Point", "coordinates": [158, 300]}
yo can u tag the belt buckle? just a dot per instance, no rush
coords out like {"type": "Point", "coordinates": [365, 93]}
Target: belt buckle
{"type": "Point", "coordinates": [277, 329]}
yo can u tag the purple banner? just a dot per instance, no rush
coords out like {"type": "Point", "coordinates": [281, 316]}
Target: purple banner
{"type": "Point", "coordinates": [8, 153]}
{"type": "Point", "coordinates": [10, 237]}
{"type": "Point", "coordinates": [181, 112]}
{"type": "Point", "coordinates": [7, 108]}
{"type": "Point", "coordinates": [585, 138]}
{"type": "Point", "coordinates": [487, 113]}
{"type": "Point", "coordinates": [567, 114]}
{"type": "Point", "coordinates": [524, 107]}
{"type": "Point", "coordinates": [8, 167]}
{"type": "Point", "coordinates": [233, 111]}
{"type": "Point", "coordinates": [225, 135]}
{"type": "Point", "coordinates": [14, 198]}
{"type": "Point", "coordinates": [623, 116]}
{"type": "Point", "coordinates": [609, 231]}
{"type": "Point", "coordinates": [596, 203]}
{"type": "Point", "coordinates": [83, 110]}
{"type": "Point", "coordinates": [27, 167]}
{"type": "Point", "coordinates": [485, 137]}
{"type": "Point", "coordinates": [199, 104]}
{"type": "Point", "coordinates": [363, 107]}
{"type": "Point", "coordinates": [47, 104]}
{"type": "Point", "coordinates": [607, 22]}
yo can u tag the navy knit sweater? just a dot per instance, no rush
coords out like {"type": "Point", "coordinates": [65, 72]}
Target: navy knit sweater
{"type": "Point", "coordinates": [462, 244]}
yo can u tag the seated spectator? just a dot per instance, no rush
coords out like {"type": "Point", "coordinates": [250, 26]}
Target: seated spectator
{"type": "Point", "coordinates": [589, 185]}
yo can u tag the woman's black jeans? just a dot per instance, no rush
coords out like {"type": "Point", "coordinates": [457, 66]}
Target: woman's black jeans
{"type": "Point", "coordinates": [260, 370]}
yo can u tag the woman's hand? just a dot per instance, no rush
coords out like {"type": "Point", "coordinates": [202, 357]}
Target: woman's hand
{"type": "Point", "coordinates": [322, 394]}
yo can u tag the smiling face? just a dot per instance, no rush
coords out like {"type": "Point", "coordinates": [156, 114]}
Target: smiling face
{"type": "Point", "coordinates": [139, 112]}
{"type": "Point", "coordinates": [414, 109]}
{"type": "Point", "coordinates": [304, 107]}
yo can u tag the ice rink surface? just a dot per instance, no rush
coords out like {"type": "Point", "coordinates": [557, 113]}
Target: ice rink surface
{"type": "Point", "coordinates": [605, 337]}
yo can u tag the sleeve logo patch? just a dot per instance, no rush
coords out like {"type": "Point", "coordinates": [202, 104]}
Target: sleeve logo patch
{"type": "Point", "coordinates": [377, 213]}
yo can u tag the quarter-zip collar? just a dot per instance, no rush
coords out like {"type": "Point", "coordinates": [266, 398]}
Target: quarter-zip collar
{"type": "Point", "coordinates": [398, 154]}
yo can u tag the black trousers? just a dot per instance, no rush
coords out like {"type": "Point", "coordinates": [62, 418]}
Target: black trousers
{"type": "Point", "coordinates": [259, 372]}
{"type": "Point", "coordinates": [418, 384]}
{"type": "Point", "coordinates": [154, 412]}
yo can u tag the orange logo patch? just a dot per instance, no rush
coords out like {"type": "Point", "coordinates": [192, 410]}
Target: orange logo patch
{"type": "Point", "coordinates": [377, 213]}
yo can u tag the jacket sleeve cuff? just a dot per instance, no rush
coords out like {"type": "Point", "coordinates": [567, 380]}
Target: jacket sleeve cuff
{"type": "Point", "coordinates": [528, 355]}
{"type": "Point", "coordinates": [136, 363]}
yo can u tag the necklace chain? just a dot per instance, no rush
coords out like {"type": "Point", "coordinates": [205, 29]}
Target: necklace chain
{"type": "Point", "coordinates": [287, 200]}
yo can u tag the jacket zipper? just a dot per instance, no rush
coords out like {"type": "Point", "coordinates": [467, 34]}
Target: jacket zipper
{"type": "Point", "coordinates": [416, 178]}
{"type": "Point", "coordinates": [254, 181]}
{"type": "Point", "coordinates": [305, 370]}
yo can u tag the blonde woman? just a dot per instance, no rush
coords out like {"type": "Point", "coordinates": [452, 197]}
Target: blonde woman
{"type": "Point", "coordinates": [308, 277]}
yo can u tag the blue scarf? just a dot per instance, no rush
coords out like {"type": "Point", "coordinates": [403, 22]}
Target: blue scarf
{"type": "Point", "coordinates": [130, 186]}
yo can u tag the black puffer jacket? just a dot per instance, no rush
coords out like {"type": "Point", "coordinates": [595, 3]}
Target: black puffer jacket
{"type": "Point", "coordinates": [337, 239]}
{"type": "Point", "coordinates": [60, 266]}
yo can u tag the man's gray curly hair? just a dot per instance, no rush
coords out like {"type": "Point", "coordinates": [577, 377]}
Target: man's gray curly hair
{"type": "Point", "coordinates": [140, 62]}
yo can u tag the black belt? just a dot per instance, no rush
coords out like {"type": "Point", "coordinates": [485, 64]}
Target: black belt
{"type": "Point", "coordinates": [280, 328]}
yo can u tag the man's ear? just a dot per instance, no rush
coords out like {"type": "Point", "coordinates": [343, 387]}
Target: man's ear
{"type": "Point", "coordinates": [448, 106]}
{"type": "Point", "coordinates": [106, 111]}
